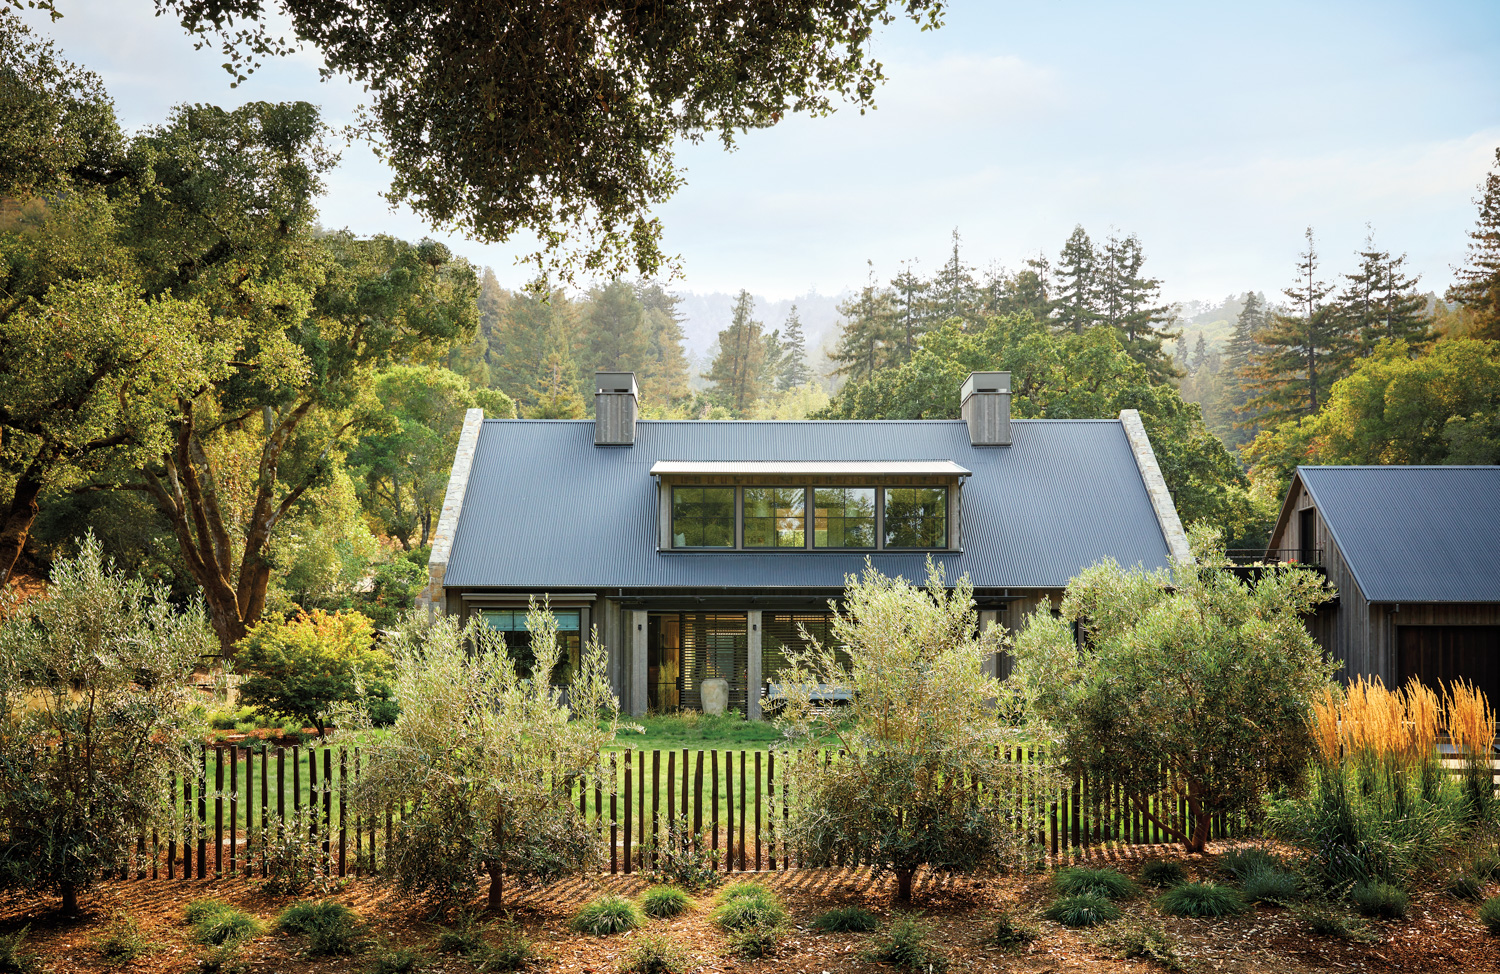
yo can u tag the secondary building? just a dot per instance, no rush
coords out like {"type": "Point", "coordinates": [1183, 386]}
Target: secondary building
{"type": "Point", "coordinates": [698, 549]}
{"type": "Point", "coordinates": [1414, 554]}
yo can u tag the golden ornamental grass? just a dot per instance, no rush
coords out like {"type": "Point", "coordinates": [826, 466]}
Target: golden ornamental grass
{"type": "Point", "coordinates": [1471, 721]}
{"type": "Point", "coordinates": [1325, 721]}
{"type": "Point", "coordinates": [1368, 721]}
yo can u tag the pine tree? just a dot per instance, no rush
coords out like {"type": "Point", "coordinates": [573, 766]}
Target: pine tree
{"type": "Point", "coordinates": [1379, 301]}
{"type": "Point", "coordinates": [912, 312]}
{"type": "Point", "coordinates": [1021, 293]}
{"type": "Point", "coordinates": [1181, 356]}
{"type": "Point", "coordinates": [1200, 354]}
{"type": "Point", "coordinates": [1125, 300]}
{"type": "Point", "coordinates": [555, 392]}
{"type": "Point", "coordinates": [1303, 351]}
{"type": "Point", "coordinates": [1073, 309]}
{"type": "Point", "coordinates": [664, 377]}
{"type": "Point", "coordinates": [532, 327]}
{"type": "Point", "coordinates": [1250, 322]}
{"type": "Point", "coordinates": [870, 323]}
{"type": "Point", "coordinates": [738, 371]}
{"type": "Point", "coordinates": [794, 370]}
{"type": "Point", "coordinates": [614, 332]}
{"type": "Point", "coordinates": [1477, 286]}
{"type": "Point", "coordinates": [954, 292]}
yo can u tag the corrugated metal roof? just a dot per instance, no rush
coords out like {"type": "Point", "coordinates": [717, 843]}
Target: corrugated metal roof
{"type": "Point", "coordinates": [1414, 534]}
{"type": "Point", "coordinates": [939, 468]}
{"type": "Point", "coordinates": [548, 510]}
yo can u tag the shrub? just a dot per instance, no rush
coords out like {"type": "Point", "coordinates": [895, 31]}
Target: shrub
{"type": "Point", "coordinates": [330, 928]}
{"type": "Point", "coordinates": [296, 862]}
{"type": "Point", "coordinates": [1082, 911]}
{"type": "Point", "coordinates": [755, 942]}
{"type": "Point", "coordinates": [1268, 884]}
{"type": "Point", "coordinates": [922, 716]}
{"type": "Point", "coordinates": [1325, 921]}
{"type": "Point", "coordinates": [513, 950]}
{"type": "Point", "coordinates": [1489, 914]}
{"type": "Point", "coordinates": [678, 856]}
{"type": "Point", "coordinates": [1011, 934]}
{"type": "Point", "coordinates": [223, 959]}
{"type": "Point", "coordinates": [1239, 863]}
{"type": "Point", "coordinates": [122, 941]}
{"type": "Point", "coordinates": [1244, 668]}
{"type": "Point", "coordinates": [653, 954]}
{"type": "Point", "coordinates": [466, 937]}
{"type": "Point", "coordinates": [846, 919]}
{"type": "Point", "coordinates": [1465, 886]}
{"type": "Point", "coordinates": [218, 923]}
{"type": "Point", "coordinates": [1163, 873]}
{"type": "Point", "coordinates": [662, 902]}
{"type": "Point", "coordinates": [1203, 900]}
{"type": "Point", "coordinates": [201, 909]}
{"type": "Point", "coordinates": [397, 961]}
{"type": "Point", "coordinates": [748, 905]}
{"type": "Point", "coordinates": [107, 661]}
{"type": "Point", "coordinates": [607, 915]}
{"type": "Point", "coordinates": [12, 960]}
{"type": "Point", "coordinates": [304, 667]}
{"type": "Point", "coordinates": [1142, 940]}
{"type": "Point", "coordinates": [489, 807]}
{"type": "Point", "coordinates": [1377, 899]}
{"type": "Point", "coordinates": [904, 945]}
{"type": "Point", "coordinates": [1108, 883]}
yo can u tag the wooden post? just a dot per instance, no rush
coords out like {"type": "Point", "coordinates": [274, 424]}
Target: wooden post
{"type": "Point", "coordinates": [757, 811]}
{"type": "Point", "coordinates": [742, 811]}
{"type": "Point", "coordinates": [327, 806]}
{"type": "Point", "coordinates": [714, 808]}
{"type": "Point", "coordinates": [614, 822]}
{"type": "Point", "coordinates": [628, 866]}
{"type": "Point", "coordinates": [203, 813]}
{"type": "Point", "coordinates": [265, 809]}
{"type": "Point", "coordinates": [218, 810]}
{"type": "Point", "coordinates": [671, 789]}
{"type": "Point", "coordinates": [655, 802]}
{"type": "Point", "coordinates": [640, 805]}
{"type": "Point", "coordinates": [343, 802]}
{"type": "Point", "coordinates": [771, 794]}
{"type": "Point", "coordinates": [698, 795]}
{"type": "Point", "coordinates": [729, 811]}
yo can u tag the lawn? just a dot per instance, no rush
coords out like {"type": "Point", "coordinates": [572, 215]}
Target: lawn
{"type": "Point", "coordinates": [699, 731]}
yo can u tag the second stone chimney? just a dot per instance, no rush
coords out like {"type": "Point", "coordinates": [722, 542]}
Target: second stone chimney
{"type": "Point", "coordinates": [985, 406]}
{"type": "Point", "coordinates": [616, 400]}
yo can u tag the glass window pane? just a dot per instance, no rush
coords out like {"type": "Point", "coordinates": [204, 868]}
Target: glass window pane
{"type": "Point", "coordinates": [916, 517]}
{"type": "Point", "coordinates": [860, 502]}
{"type": "Point", "coordinates": [790, 537]}
{"type": "Point", "coordinates": [718, 502]}
{"type": "Point", "coordinates": [759, 502]}
{"type": "Point", "coordinates": [718, 534]}
{"type": "Point", "coordinates": [758, 532]}
{"type": "Point", "coordinates": [859, 533]}
{"type": "Point", "coordinates": [689, 534]}
{"type": "Point", "coordinates": [828, 501]}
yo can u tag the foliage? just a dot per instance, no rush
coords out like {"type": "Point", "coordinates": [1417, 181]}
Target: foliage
{"type": "Point", "coordinates": [1082, 881]}
{"type": "Point", "coordinates": [122, 941]}
{"type": "Point", "coordinates": [484, 759]}
{"type": "Point", "coordinates": [904, 945]}
{"type": "Point", "coordinates": [295, 860]}
{"type": "Point", "coordinates": [1186, 672]}
{"type": "Point", "coordinates": [398, 960]}
{"type": "Point", "coordinates": [748, 360]}
{"type": "Point", "coordinates": [1010, 933]}
{"type": "Point", "coordinates": [1464, 886]}
{"type": "Point", "coordinates": [1135, 939]}
{"type": "Point", "coordinates": [465, 937]}
{"type": "Point", "coordinates": [93, 685]}
{"type": "Point", "coordinates": [227, 958]}
{"type": "Point", "coordinates": [1477, 283]}
{"type": "Point", "coordinates": [304, 667]}
{"type": "Point", "coordinates": [1162, 873]}
{"type": "Point", "coordinates": [746, 905]}
{"type": "Point", "coordinates": [513, 950]}
{"type": "Point", "coordinates": [662, 902]}
{"type": "Point", "coordinates": [677, 855]}
{"type": "Point", "coordinates": [1489, 914]}
{"type": "Point", "coordinates": [12, 960]}
{"type": "Point", "coordinates": [331, 929]}
{"type": "Point", "coordinates": [655, 954]}
{"type": "Point", "coordinates": [577, 147]}
{"type": "Point", "coordinates": [1323, 920]}
{"type": "Point", "coordinates": [1270, 884]}
{"type": "Point", "coordinates": [217, 923]}
{"type": "Point", "coordinates": [606, 915]}
{"type": "Point", "coordinates": [1204, 900]}
{"type": "Point", "coordinates": [846, 919]}
{"type": "Point", "coordinates": [1240, 862]}
{"type": "Point", "coordinates": [920, 779]}
{"type": "Point", "coordinates": [1378, 899]}
{"type": "Point", "coordinates": [1082, 911]}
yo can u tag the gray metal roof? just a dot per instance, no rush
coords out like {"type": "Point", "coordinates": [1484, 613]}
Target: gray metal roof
{"type": "Point", "coordinates": [1414, 534]}
{"type": "Point", "coordinates": [547, 510]}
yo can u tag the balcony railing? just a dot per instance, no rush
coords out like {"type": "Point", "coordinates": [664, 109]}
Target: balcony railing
{"type": "Point", "coordinates": [1276, 556]}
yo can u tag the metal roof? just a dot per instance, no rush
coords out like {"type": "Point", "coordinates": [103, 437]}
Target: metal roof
{"type": "Point", "coordinates": [1414, 534]}
{"type": "Point", "coordinates": [853, 468]}
{"type": "Point", "coordinates": [546, 510]}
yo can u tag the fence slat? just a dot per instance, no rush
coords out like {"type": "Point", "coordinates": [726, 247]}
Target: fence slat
{"type": "Point", "coordinates": [327, 805]}
{"type": "Point", "coordinates": [629, 868]}
{"type": "Point", "coordinates": [729, 811]}
{"type": "Point", "coordinates": [343, 802]}
{"type": "Point", "coordinates": [742, 811]}
{"type": "Point", "coordinates": [614, 828]}
{"type": "Point", "coordinates": [757, 811]}
{"type": "Point", "coordinates": [202, 822]}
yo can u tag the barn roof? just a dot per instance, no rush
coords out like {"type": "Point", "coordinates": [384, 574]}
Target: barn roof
{"type": "Point", "coordinates": [545, 509]}
{"type": "Point", "coordinates": [1414, 534]}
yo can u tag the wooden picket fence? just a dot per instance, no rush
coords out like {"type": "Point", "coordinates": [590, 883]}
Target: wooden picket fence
{"type": "Point", "coordinates": [736, 799]}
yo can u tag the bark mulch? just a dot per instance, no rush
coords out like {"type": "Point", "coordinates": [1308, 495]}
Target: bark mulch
{"type": "Point", "coordinates": [1439, 935]}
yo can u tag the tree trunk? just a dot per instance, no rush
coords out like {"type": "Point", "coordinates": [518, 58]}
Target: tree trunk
{"type": "Point", "coordinates": [15, 527]}
{"type": "Point", "coordinates": [903, 885]}
{"type": "Point", "coordinates": [497, 886]}
{"type": "Point", "coordinates": [70, 899]}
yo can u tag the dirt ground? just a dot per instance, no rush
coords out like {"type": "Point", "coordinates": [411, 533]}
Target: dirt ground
{"type": "Point", "coordinates": [1439, 935]}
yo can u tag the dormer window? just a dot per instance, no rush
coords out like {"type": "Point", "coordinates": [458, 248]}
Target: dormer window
{"type": "Point", "coordinates": [703, 517]}
{"type": "Point", "coordinates": [916, 517]}
{"type": "Point", "coordinates": [844, 517]}
{"type": "Point", "coordinates": [775, 517]}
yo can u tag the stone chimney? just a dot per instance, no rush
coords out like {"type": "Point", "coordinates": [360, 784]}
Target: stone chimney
{"type": "Point", "coordinates": [985, 399]}
{"type": "Point", "coordinates": [615, 401]}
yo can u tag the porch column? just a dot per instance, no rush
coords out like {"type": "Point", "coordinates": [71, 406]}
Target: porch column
{"type": "Point", "coordinates": [638, 671]}
{"type": "Point", "coordinates": [752, 678]}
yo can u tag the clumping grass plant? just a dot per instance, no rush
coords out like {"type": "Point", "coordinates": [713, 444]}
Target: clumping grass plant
{"type": "Point", "coordinates": [664, 902]}
{"type": "Point", "coordinates": [1464, 886]}
{"type": "Point", "coordinates": [1269, 884]}
{"type": "Point", "coordinates": [846, 919]}
{"type": "Point", "coordinates": [1324, 920]}
{"type": "Point", "coordinates": [1239, 863]}
{"type": "Point", "coordinates": [905, 946]}
{"type": "Point", "coordinates": [752, 917]}
{"type": "Point", "coordinates": [1082, 881]}
{"type": "Point", "coordinates": [1202, 900]}
{"type": "Point", "coordinates": [1010, 933]}
{"type": "Point", "coordinates": [655, 954]}
{"type": "Point", "coordinates": [331, 929]}
{"type": "Point", "coordinates": [513, 950]}
{"type": "Point", "coordinates": [1082, 911]}
{"type": "Point", "coordinates": [1380, 900]}
{"type": "Point", "coordinates": [1142, 940]}
{"type": "Point", "coordinates": [396, 960]}
{"type": "Point", "coordinates": [1489, 914]}
{"type": "Point", "coordinates": [12, 959]}
{"type": "Point", "coordinates": [1163, 873]}
{"type": "Point", "coordinates": [465, 937]}
{"type": "Point", "coordinates": [122, 941]}
{"type": "Point", "coordinates": [607, 915]}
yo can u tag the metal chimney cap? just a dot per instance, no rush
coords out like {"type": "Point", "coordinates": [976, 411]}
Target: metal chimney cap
{"type": "Point", "coordinates": [607, 383]}
{"type": "Point", "coordinates": [985, 382]}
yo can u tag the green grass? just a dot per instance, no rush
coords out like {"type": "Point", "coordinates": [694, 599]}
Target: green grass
{"type": "Point", "coordinates": [846, 919]}
{"type": "Point", "coordinates": [663, 902]}
{"type": "Point", "coordinates": [1082, 911]}
{"type": "Point", "coordinates": [694, 731]}
{"type": "Point", "coordinates": [607, 915]}
{"type": "Point", "coordinates": [1082, 881]}
{"type": "Point", "coordinates": [1203, 900]}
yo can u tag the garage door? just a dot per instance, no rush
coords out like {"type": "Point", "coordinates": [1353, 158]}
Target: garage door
{"type": "Point", "coordinates": [1438, 655]}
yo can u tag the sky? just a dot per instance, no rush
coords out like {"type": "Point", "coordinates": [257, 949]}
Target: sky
{"type": "Point", "coordinates": [1215, 132]}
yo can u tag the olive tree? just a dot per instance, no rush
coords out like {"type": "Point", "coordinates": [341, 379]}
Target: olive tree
{"type": "Point", "coordinates": [1189, 690]}
{"type": "Point", "coordinates": [926, 774]}
{"type": "Point", "coordinates": [93, 681]}
{"type": "Point", "coordinates": [483, 759]}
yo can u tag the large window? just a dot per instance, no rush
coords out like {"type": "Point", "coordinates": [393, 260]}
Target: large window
{"type": "Point", "coordinates": [512, 622]}
{"type": "Point", "coordinates": [703, 517]}
{"type": "Point", "coordinates": [844, 517]}
{"type": "Point", "coordinates": [916, 517]}
{"type": "Point", "coordinates": [775, 517]}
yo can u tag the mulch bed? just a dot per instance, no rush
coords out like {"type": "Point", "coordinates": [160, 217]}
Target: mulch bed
{"type": "Point", "coordinates": [1439, 935]}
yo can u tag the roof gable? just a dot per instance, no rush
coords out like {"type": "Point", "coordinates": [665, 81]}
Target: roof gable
{"type": "Point", "coordinates": [1414, 533]}
{"type": "Point", "coordinates": [545, 509]}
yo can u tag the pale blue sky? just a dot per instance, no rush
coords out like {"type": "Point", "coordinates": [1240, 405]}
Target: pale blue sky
{"type": "Point", "coordinates": [1214, 131]}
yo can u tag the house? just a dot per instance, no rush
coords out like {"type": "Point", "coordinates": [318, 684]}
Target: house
{"type": "Point", "coordinates": [1414, 554]}
{"type": "Point", "coordinates": [698, 549]}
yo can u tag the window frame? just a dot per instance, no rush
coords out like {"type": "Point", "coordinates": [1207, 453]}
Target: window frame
{"type": "Point", "coordinates": [735, 519]}
{"type": "Point", "coordinates": [947, 514]}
